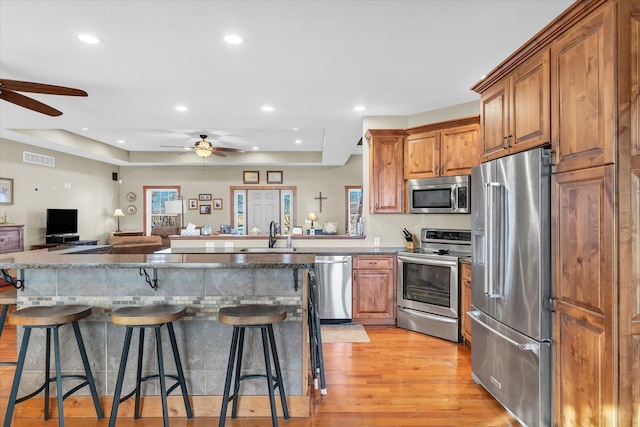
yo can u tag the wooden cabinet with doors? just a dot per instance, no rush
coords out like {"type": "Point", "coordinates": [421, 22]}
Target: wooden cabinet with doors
{"type": "Point", "coordinates": [374, 296]}
{"type": "Point", "coordinates": [515, 110]}
{"type": "Point", "coordinates": [386, 184]}
{"type": "Point", "coordinates": [583, 89]}
{"type": "Point", "coordinates": [583, 287]}
{"type": "Point", "coordinates": [594, 67]}
{"type": "Point", "coordinates": [11, 238]}
{"type": "Point", "coordinates": [465, 300]}
{"type": "Point", "coordinates": [442, 149]}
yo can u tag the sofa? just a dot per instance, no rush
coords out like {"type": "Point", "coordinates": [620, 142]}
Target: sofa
{"type": "Point", "coordinates": [135, 244]}
{"type": "Point", "coordinates": [164, 233]}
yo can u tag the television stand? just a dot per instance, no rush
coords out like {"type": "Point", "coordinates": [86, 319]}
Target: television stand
{"type": "Point", "coordinates": [63, 238]}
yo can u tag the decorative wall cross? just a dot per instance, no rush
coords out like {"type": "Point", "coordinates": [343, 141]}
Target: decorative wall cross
{"type": "Point", "coordinates": [320, 199]}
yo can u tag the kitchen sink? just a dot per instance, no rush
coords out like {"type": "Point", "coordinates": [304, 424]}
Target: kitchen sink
{"type": "Point", "coordinates": [268, 250]}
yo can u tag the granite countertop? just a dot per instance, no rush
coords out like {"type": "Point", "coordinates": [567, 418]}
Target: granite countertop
{"type": "Point", "coordinates": [302, 250]}
{"type": "Point", "coordinates": [182, 258]}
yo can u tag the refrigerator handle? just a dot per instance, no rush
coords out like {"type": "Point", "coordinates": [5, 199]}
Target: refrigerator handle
{"type": "Point", "coordinates": [493, 238]}
{"type": "Point", "coordinates": [526, 346]}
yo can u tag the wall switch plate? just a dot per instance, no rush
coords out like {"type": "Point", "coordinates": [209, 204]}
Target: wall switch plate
{"type": "Point", "coordinates": [376, 241]}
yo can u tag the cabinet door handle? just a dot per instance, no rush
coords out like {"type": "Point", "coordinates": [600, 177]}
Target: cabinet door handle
{"type": "Point", "coordinates": [505, 142]}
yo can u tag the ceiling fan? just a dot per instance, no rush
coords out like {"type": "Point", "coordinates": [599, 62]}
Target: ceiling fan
{"type": "Point", "coordinates": [204, 149]}
{"type": "Point", "coordinates": [9, 89]}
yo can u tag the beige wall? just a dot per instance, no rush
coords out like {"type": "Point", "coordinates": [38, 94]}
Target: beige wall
{"type": "Point", "coordinates": [217, 180]}
{"type": "Point", "coordinates": [95, 195]}
{"type": "Point", "coordinates": [74, 183]}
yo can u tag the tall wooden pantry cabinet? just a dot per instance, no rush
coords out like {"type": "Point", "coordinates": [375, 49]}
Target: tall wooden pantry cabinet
{"type": "Point", "coordinates": [594, 114]}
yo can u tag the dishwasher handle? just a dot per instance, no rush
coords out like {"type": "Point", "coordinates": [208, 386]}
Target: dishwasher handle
{"type": "Point", "coordinates": [342, 261]}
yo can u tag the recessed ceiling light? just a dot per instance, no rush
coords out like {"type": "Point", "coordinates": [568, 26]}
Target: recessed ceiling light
{"type": "Point", "coordinates": [85, 128]}
{"type": "Point", "coordinates": [298, 141]}
{"type": "Point", "coordinates": [233, 39]}
{"type": "Point", "coordinates": [359, 108]}
{"type": "Point", "coordinates": [121, 141]}
{"type": "Point", "coordinates": [255, 148]}
{"type": "Point", "coordinates": [88, 38]}
{"type": "Point", "coordinates": [295, 128]}
{"type": "Point", "coordinates": [180, 108]}
{"type": "Point", "coordinates": [268, 108]}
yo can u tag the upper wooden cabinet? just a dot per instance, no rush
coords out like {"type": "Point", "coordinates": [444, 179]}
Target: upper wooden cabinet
{"type": "Point", "coordinates": [584, 93]}
{"type": "Point", "coordinates": [386, 184]}
{"type": "Point", "coordinates": [515, 111]}
{"type": "Point", "coordinates": [442, 149]}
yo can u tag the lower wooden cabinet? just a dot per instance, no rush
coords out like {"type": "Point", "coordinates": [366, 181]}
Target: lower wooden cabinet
{"type": "Point", "coordinates": [11, 238]}
{"type": "Point", "coordinates": [374, 295]}
{"type": "Point", "coordinates": [465, 300]}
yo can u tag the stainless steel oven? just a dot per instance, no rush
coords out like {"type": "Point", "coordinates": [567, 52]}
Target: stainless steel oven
{"type": "Point", "coordinates": [429, 286]}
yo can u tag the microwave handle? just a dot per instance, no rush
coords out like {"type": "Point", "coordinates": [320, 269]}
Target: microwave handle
{"type": "Point", "coordinates": [454, 197]}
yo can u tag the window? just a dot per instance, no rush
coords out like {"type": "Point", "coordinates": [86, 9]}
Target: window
{"type": "Point", "coordinates": [155, 214]}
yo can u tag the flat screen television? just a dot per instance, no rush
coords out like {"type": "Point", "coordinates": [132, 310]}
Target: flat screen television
{"type": "Point", "coordinates": [62, 221]}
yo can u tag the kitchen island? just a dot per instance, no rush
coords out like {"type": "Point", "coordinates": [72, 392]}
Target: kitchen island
{"type": "Point", "coordinates": [203, 282]}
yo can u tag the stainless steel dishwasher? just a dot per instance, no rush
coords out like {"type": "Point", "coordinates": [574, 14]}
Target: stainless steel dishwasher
{"type": "Point", "coordinates": [334, 288]}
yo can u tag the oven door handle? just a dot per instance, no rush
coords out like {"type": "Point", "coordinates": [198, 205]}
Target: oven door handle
{"type": "Point", "coordinates": [427, 260]}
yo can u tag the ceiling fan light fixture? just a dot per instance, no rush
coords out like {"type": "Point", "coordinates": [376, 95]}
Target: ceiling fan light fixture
{"type": "Point", "coordinates": [203, 149]}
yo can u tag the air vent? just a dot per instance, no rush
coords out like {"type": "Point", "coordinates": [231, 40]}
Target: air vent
{"type": "Point", "coordinates": [38, 159]}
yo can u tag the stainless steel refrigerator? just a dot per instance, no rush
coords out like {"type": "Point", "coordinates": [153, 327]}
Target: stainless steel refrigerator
{"type": "Point", "coordinates": [511, 283]}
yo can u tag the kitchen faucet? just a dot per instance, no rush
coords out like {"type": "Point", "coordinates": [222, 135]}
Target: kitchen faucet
{"type": "Point", "coordinates": [273, 230]}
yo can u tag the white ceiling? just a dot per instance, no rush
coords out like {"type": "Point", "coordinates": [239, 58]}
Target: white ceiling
{"type": "Point", "coordinates": [313, 61]}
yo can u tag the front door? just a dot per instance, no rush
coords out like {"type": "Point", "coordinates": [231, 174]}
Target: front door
{"type": "Point", "coordinates": [263, 207]}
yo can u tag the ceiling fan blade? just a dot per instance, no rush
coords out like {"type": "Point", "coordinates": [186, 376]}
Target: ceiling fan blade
{"type": "Point", "coordinates": [20, 86]}
{"type": "Point", "coordinates": [231, 150]}
{"type": "Point", "coordinates": [218, 153]}
{"type": "Point", "coordinates": [26, 102]}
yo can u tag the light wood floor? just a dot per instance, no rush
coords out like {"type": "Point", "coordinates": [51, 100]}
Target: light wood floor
{"type": "Point", "coordinates": [400, 378]}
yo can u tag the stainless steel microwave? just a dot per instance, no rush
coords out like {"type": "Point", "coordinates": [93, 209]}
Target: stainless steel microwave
{"type": "Point", "coordinates": [449, 194]}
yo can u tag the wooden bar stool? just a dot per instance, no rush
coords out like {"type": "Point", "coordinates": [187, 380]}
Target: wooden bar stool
{"type": "Point", "coordinates": [7, 298]}
{"type": "Point", "coordinates": [51, 318]}
{"type": "Point", "coordinates": [150, 316]}
{"type": "Point", "coordinates": [253, 316]}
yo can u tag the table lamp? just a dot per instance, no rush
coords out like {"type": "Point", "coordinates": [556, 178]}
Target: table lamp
{"type": "Point", "coordinates": [118, 213]}
{"type": "Point", "coordinates": [312, 217]}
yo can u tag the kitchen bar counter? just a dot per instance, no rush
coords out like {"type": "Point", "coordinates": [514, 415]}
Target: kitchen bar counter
{"type": "Point", "coordinates": [203, 282]}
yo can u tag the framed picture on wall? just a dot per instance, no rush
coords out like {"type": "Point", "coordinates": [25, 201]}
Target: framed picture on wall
{"type": "Point", "coordinates": [250, 177]}
{"type": "Point", "coordinates": [193, 204]}
{"type": "Point", "coordinates": [274, 177]}
{"type": "Point", "coordinates": [204, 197]}
{"type": "Point", "coordinates": [217, 204]}
{"type": "Point", "coordinates": [6, 191]}
{"type": "Point", "coordinates": [205, 209]}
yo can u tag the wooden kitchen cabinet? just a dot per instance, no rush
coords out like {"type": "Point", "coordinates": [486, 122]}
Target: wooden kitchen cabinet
{"type": "Point", "coordinates": [594, 65]}
{"type": "Point", "coordinates": [374, 296]}
{"type": "Point", "coordinates": [442, 149]}
{"type": "Point", "coordinates": [386, 184]}
{"type": "Point", "coordinates": [515, 111]}
{"type": "Point", "coordinates": [584, 93]}
{"type": "Point", "coordinates": [584, 292]}
{"type": "Point", "coordinates": [11, 238]}
{"type": "Point", "coordinates": [465, 300]}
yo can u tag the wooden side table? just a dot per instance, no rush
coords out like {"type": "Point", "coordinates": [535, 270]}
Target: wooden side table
{"type": "Point", "coordinates": [11, 238]}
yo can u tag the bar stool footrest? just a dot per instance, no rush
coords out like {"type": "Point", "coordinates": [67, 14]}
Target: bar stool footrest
{"type": "Point", "coordinates": [52, 380]}
{"type": "Point", "coordinates": [151, 377]}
